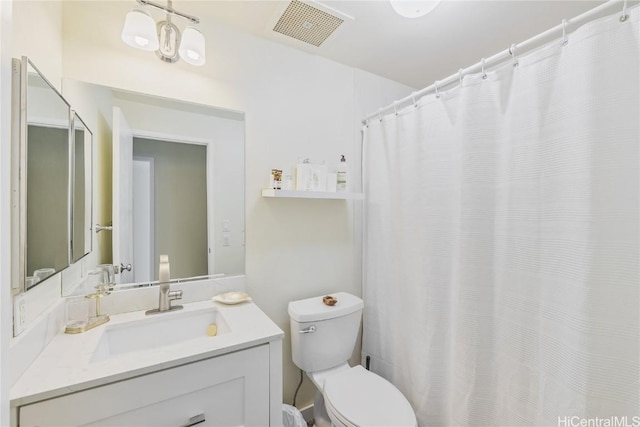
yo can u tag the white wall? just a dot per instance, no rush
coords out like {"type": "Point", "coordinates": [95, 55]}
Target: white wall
{"type": "Point", "coordinates": [295, 104]}
{"type": "Point", "coordinates": [5, 206]}
{"type": "Point", "coordinates": [37, 33]}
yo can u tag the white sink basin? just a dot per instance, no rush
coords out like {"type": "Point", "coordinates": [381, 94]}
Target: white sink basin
{"type": "Point", "coordinates": [158, 330]}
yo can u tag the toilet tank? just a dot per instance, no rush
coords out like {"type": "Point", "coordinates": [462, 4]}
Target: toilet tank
{"type": "Point", "coordinates": [324, 336]}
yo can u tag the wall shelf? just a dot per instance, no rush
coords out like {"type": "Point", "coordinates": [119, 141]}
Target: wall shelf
{"type": "Point", "coordinates": [291, 194]}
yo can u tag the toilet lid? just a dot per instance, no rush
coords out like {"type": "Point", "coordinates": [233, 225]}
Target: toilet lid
{"type": "Point", "coordinates": [361, 398]}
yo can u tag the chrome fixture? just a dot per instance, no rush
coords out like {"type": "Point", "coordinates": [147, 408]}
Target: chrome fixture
{"type": "Point", "coordinates": [140, 31]}
{"type": "Point", "coordinates": [122, 267]}
{"type": "Point", "coordinates": [413, 8]}
{"type": "Point", "coordinates": [195, 420]}
{"type": "Point", "coordinates": [166, 294]}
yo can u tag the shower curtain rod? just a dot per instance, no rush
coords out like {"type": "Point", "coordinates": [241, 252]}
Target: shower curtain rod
{"type": "Point", "coordinates": [533, 42]}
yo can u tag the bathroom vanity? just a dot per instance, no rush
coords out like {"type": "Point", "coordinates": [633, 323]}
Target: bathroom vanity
{"type": "Point", "coordinates": [159, 370]}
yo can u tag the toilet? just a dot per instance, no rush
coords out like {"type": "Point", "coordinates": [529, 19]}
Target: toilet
{"type": "Point", "coordinates": [322, 341]}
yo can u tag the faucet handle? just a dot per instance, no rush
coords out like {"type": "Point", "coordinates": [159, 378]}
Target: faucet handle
{"type": "Point", "coordinates": [174, 295]}
{"type": "Point", "coordinates": [166, 296]}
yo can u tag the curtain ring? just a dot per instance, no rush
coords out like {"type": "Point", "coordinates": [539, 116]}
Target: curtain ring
{"type": "Point", "coordinates": [512, 52]}
{"type": "Point", "coordinates": [624, 15]}
{"type": "Point", "coordinates": [435, 84]}
{"type": "Point", "coordinates": [413, 98]}
{"type": "Point", "coordinates": [460, 76]}
{"type": "Point", "coordinates": [395, 109]}
{"type": "Point", "coordinates": [565, 41]}
{"type": "Point", "coordinates": [380, 115]}
{"type": "Point", "coordinates": [484, 73]}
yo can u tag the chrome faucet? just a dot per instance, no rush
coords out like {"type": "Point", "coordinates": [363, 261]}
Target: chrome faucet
{"type": "Point", "coordinates": [166, 294]}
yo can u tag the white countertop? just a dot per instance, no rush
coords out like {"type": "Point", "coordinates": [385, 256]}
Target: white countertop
{"type": "Point", "coordinates": [66, 364]}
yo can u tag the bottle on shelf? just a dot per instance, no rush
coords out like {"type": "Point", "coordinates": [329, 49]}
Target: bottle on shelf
{"type": "Point", "coordinates": [342, 175]}
{"type": "Point", "coordinates": [303, 175]}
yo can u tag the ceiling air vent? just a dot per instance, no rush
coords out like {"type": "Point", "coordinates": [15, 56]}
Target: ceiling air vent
{"type": "Point", "coordinates": [307, 23]}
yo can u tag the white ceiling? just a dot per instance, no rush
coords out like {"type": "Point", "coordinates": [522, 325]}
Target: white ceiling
{"type": "Point", "coordinates": [415, 52]}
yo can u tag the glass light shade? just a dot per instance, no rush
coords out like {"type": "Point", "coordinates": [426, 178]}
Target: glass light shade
{"type": "Point", "coordinates": [192, 46]}
{"type": "Point", "coordinates": [139, 31]}
{"type": "Point", "coordinates": [413, 8]}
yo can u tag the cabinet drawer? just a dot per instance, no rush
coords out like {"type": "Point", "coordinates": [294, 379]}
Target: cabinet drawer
{"type": "Point", "coordinates": [231, 389]}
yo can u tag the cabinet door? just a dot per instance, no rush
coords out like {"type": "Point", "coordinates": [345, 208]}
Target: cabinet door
{"type": "Point", "coordinates": [229, 390]}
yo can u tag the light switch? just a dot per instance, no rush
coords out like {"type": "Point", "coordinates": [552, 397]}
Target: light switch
{"type": "Point", "coordinates": [19, 314]}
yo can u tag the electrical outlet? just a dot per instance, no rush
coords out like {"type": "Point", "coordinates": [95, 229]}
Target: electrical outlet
{"type": "Point", "coordinates": [19, 314]}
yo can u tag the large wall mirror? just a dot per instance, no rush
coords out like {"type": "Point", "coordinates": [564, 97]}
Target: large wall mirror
{"type": "Point", "coordinates": [176, 188]}
{"type": "Point", "coordinates": [179, 188]}
{"type": "Point", "coordinates": [45, 186]}
{"type": "Point", "coordinates": [54, 164]}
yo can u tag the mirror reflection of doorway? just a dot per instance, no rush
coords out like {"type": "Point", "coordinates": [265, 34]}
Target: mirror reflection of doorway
{"type": "Point", "coordinates": [169, 207]}
{"type": "Point", "coordinates": [143, 219]}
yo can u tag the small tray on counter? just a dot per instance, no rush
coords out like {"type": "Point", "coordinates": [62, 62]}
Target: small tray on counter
{"type": "Point", "coordinates": [232, 297]}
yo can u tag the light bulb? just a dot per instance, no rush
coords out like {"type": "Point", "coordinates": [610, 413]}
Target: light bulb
{"type": "Point", "coordinates": [193, 55]}
{"type": "Point", "coordinates": [141, 41]}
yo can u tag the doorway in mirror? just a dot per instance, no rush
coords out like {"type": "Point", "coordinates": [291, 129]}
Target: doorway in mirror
{"type": "Point", "coordinates": [169, 183]}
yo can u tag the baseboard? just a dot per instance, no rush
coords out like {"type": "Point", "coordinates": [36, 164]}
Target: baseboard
{"type": "Point", "coordinates": [307, 413]}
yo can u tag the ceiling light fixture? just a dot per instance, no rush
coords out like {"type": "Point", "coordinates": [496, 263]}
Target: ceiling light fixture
{"type": "Point", "coordinates": [413, 8]}
{"type": "Point", "coordinates": [141, 31]}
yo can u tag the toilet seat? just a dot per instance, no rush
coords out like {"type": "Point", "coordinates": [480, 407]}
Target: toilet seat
{"type": "Point", "coordinates": [357, 397]}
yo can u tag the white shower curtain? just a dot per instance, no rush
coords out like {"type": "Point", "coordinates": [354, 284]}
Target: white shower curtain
{"type": "Point", "coordinates": [502, 239]}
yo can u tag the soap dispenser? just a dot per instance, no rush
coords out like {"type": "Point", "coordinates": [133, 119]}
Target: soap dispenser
{"type": "Point", "coordinates": [342, 175]}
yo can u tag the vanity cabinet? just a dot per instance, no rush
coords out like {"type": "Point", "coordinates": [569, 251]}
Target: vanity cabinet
{"type": "Point", "coordinates": [231, 389]}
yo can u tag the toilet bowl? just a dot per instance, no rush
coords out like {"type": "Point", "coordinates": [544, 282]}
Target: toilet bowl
{"type": "Point", "coordinates": [357, 397]}
{"type": "Point", "coordinates": [322, 340]}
